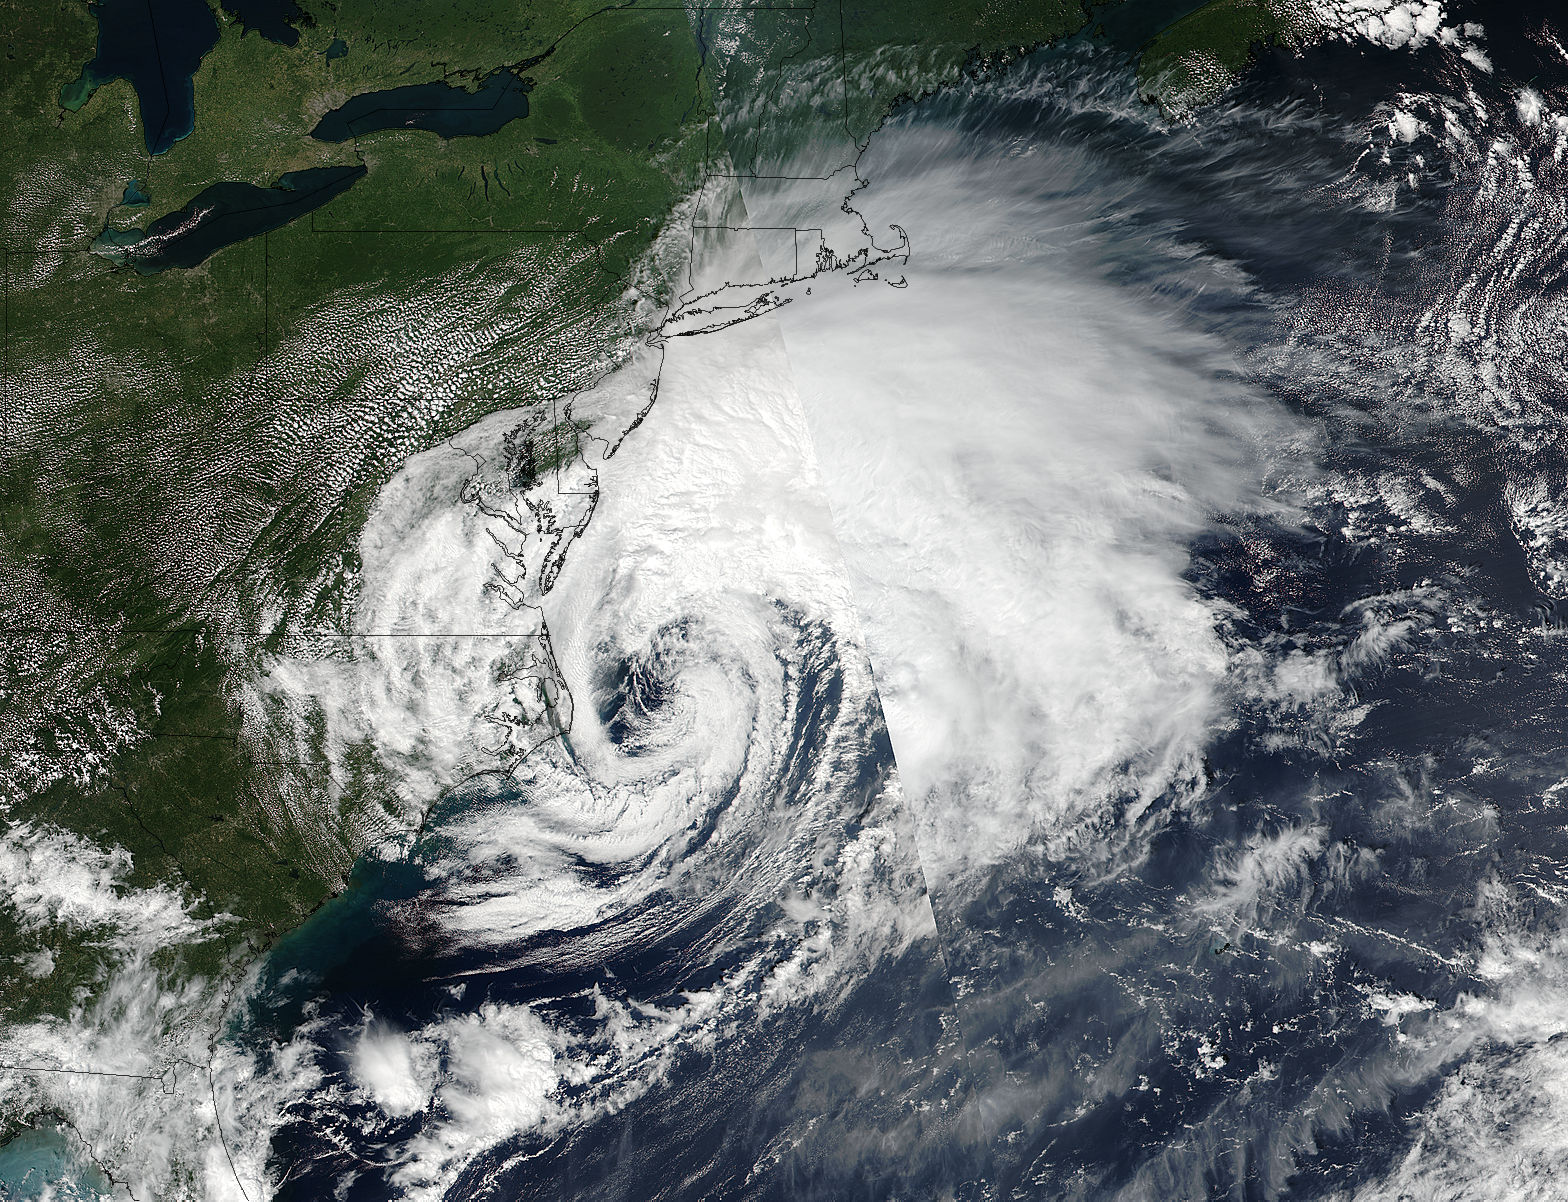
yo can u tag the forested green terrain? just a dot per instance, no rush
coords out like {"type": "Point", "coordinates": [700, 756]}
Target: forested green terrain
{"type": "Point", "coordinates": [189, 454]}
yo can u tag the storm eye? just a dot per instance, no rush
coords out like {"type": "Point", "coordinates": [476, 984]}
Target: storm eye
{"type": "Point", "coordinates": [630, 694]}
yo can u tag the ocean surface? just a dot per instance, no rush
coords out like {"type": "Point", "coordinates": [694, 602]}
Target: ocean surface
{"type": "Point", "coordinates": [1082, 723]}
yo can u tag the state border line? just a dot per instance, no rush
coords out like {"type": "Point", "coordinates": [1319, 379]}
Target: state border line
{"type": "Point", "coordinates": [167, 1080]}
{"type": "Point", "coordinates": [220, 632]}
{"type": "Point", "coordinates": [477, 229]}
{"type": "Point", "coordinates": [796, 230]}
{"type": "Point", "coordinates": [164, 1078]}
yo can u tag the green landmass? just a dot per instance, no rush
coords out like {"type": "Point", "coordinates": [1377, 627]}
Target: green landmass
{"type": "Point", "coordinates": [900, 49]}
{"type": "Point", "coordinates": [187, 458]}
{"type": "Point", "coordinates": [190, 456]}
{"type": "Point", "coordinates": [1192, 60]}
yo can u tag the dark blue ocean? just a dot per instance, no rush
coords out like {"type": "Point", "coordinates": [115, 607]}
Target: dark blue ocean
{"type": "Point", "coordinates": [1285, 980]}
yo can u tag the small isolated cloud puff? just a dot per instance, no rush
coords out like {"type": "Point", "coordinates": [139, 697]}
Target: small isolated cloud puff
{"type": "Point", "coordinates": [388, 1066]}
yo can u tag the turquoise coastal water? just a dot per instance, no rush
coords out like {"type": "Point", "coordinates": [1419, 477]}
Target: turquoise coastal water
{"type": "Point", "coordinates": [156, 45]}
{"type": "Point", "coordinates": [222, 215]}
{"type": "Point", "coordinates": [44, 1163]}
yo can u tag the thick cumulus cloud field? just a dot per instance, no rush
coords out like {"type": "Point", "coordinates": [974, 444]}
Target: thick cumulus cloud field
{"type": "Point", "coordinates": [1162, 514]}
{"type": "Point", "coordinates": [1068, 710]}
{"type": "Point", "coordinates": [723, 810]}
{"type": "Point", "coordinates": [1018, 452]}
